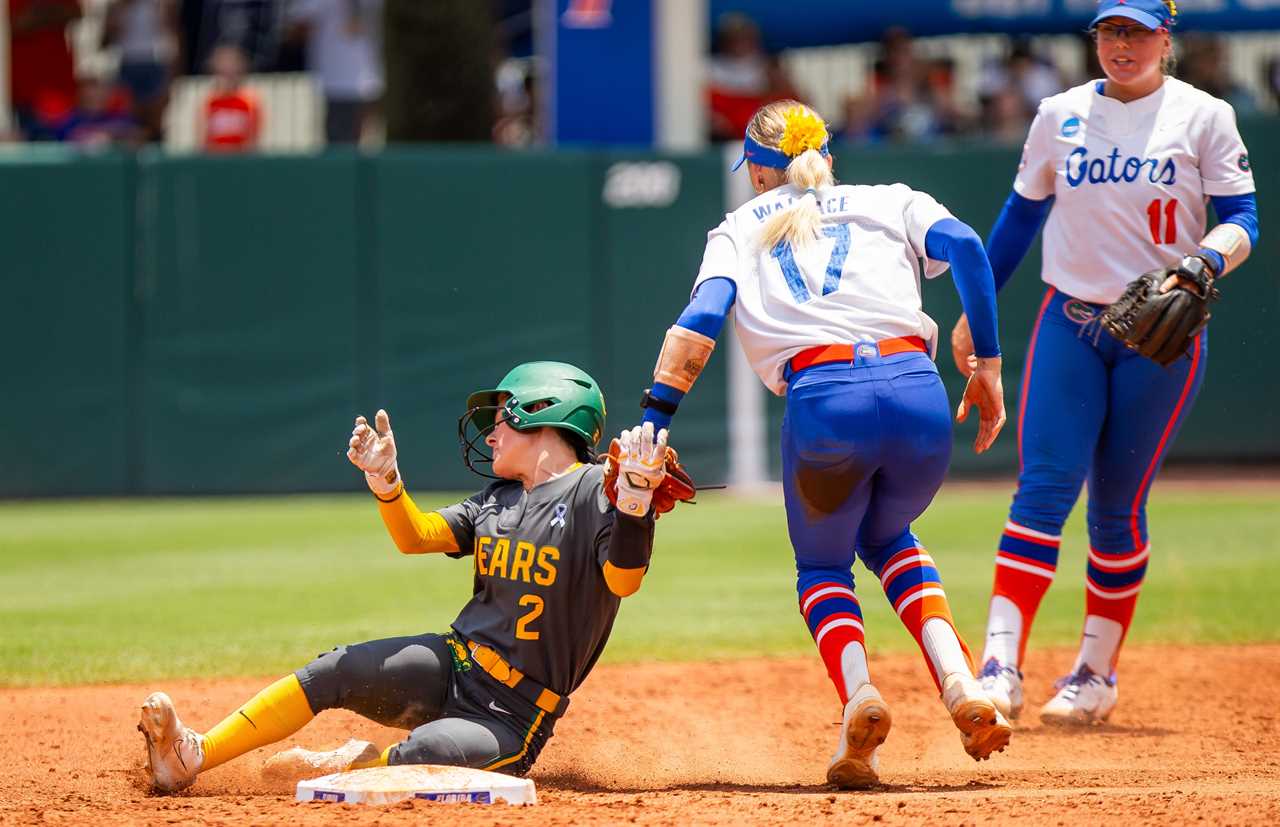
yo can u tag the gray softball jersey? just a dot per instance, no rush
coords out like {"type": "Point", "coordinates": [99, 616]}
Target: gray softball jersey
{"type": "Point", "coordinates": [540, 598]}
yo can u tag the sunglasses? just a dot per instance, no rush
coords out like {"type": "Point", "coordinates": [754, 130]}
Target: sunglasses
{"type": "Point", "coordinates": [1109, 33]}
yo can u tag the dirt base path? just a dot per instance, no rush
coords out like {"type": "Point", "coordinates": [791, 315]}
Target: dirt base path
{"type": "Point", "coordinates": [1196, 738]}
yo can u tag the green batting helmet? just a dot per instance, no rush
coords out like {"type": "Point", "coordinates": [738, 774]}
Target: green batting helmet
{"type": "Point", "coordinates": [573, 400]}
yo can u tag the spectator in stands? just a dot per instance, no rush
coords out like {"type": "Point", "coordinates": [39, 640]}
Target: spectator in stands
{"type": "Point", "coordinates": [146, 32]}
{"type": "Point", "coordinates": [100, 118]}
{"type": "Point", "coordinates": [742, 77]}
{"type": "Point", "coordinates": [913, 98]}
{"type": "Point", "coordinates": [256, 26]}
{"type": "Point", "coordinates": [344, 50]}
{"type": "Point", "coordinates": [231, 118]}
{"type": "Point", "coordinates": [1024, 73]}
{"type": "Point", "coordinates": [1004, 116]}
{"type": "Point", "coordinates": [859, 113]}
{"type": "Point", "coordinates": [516, 124]}
{"type": "Point", "coordinates": [42, 80]}
{"type": "Point", "coordinates": [1203, 64]}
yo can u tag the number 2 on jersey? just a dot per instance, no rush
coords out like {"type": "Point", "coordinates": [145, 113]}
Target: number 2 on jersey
{"type": "Point", "coordinates": [522, 625]}
{"type": "Point", "coordinates": [835, 266]}
{"type": "Point", "coordinates": [1170, 221]}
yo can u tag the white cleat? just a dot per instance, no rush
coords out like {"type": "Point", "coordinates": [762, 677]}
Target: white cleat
{"type": "Point", "coordinates": [174, 752]}
{"type": "Point", "coordinates": [296, 763]}
{"type": "Point", "coordinates": [865, 726]}
{"type": "Point", "coordinates": [983, 728]}
{"type": "Point", "coordinates": [1084, 697]}
{"type": "Point", "coordinates": [1003, 685]}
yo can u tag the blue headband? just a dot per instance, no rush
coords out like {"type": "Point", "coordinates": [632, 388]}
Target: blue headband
{"type": "Point", "coordinates": [766, 156]}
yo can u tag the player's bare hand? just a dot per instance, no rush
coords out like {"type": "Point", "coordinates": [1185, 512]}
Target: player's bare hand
{"type": "Point", "coordinates": [641, 467]}
{"type": "Point", "coordinates": [373, 451]}
{"type": "Point", "coordinates": [984, 391]}
{"type": "Point", "coordinates": [962, 347]}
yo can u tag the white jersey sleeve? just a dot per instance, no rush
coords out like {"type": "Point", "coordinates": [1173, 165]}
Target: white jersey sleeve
{"type": "Point", "coordinates": [1224, 161]}
{"type": "Point", "coordinates": [922, 211]}
{"type": "Point", "coordinates": [720, 259]}
{"type": "Point", "coordinates": [1034, 180]}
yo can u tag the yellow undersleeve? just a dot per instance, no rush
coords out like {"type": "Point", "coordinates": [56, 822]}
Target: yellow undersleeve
{"type": "Point", "coordinates": [415, 532]}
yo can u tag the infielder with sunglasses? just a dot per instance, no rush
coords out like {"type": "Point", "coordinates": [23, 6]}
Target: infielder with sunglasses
{"type": "Point", "coordinates": [1125, 169]}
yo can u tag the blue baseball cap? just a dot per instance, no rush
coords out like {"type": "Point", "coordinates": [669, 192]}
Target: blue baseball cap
{"type": "Point", "coordinates": [1153, 14]}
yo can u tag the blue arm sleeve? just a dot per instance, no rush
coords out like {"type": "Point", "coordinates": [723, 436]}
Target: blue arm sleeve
{"type": "Point", "coordinates": [1012, 234]}
{"type": "Point", "coordinates": [1241, 210]}
{"type": "Point", "coordinates": [956, 242]}
{"type": "Point", "coordinates": [704, 314]}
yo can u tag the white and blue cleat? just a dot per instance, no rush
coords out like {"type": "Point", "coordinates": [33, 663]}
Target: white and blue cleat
{"type": "Point", "coordinates": [1084, 697]}
{"type": "Point", "coordinates": [1003, 685]}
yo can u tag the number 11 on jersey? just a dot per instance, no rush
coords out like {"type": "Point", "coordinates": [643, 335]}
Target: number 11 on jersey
{"type": "Point", "coordinates": [1170, 221]}
{"type": "Point", "coordinates": [835, 265]}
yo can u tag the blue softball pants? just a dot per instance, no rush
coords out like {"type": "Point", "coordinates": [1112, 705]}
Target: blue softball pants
{"type": "Point", "coordinates": [1093, 410]}
{"type": "Point", "coordinates": [865, 447]}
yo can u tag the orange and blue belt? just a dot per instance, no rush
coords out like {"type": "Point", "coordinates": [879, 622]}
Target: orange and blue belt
{"type": "Point", "coordinates": [824, 354]}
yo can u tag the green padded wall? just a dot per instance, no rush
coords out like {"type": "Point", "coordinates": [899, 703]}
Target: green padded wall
{"type": "Point", "coordinates": [188, 324]}
{"type": "Point", "coordinates": [66, 232]}
{"type": "Point", "coordinates": [249, 274]}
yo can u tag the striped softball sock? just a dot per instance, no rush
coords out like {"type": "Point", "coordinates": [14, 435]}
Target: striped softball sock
{"type": "Point", "coordinates": [1112, 582]}
{"type": "Point", "coordinates": [834, 618]}
{"type": "Point", "coordinates": [1025, 564]}
{"type": "Point", "coordinates": [911, 581]}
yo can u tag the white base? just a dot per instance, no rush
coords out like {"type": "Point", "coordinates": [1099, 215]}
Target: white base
{"type": "Point", "coordinates": [387, 785]}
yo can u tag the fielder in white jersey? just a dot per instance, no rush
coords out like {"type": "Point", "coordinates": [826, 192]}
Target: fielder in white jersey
{"type": "Point", "coordinates": [789, 298]}
{"type": "Point", "coordinates": [824, 280]}
{"type": "Point", "coordinates": [1130, 181]}
{"type": "Point", "coordinates": [1126, 169]}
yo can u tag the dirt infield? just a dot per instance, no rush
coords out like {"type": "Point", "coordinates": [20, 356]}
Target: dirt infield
{"type": "Point", "coordinates": [1196, 738]}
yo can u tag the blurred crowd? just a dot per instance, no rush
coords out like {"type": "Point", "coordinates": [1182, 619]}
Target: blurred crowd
{"type": "Point", "coordinates": [907, 97]}
{"type": "Point", "coordinates": [156, 41]}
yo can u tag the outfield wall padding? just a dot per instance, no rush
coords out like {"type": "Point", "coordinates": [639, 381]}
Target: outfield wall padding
{"type": "Point", "coordinates": [212, 325]}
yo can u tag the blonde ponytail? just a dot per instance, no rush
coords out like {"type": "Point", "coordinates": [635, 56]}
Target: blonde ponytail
{"type": "Point", "coordinates": [809, 172]}
{"type": "Point", "coordinates": [799, 133]}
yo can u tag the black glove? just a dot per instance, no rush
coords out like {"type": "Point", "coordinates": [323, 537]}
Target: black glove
{"type": "Point", "coordinates": [1159, 325]}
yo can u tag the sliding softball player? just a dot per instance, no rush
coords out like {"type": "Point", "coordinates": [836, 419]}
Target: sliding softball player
{"type": "Point", "coordinates": [552, 558]}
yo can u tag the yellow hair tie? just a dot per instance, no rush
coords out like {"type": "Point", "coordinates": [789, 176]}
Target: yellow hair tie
{"type": "Point", "coordinates": [803, 131]}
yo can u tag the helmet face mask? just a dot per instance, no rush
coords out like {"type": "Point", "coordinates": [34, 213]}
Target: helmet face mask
{"type": "Point", "coordinates": [565, 397]}
{"type": "Point", "coordinates": [474, 450]}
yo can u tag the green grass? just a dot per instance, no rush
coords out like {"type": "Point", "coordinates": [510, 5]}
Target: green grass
{"type": "Point", "coordinates": [134, 590]}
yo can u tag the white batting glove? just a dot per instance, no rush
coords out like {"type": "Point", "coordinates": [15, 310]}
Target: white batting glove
{"type": "Point", "coordinates": [374, 453]}
{"type": "Point", "coordinates": [641, 468]}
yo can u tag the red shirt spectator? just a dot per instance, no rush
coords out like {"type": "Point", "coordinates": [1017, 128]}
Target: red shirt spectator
{"type": "Point", "coordinates": [232, 120]}
{"type": "Point", "coordinates": [42, 71]}
{"type": "Point", "coordinates": [232, 116]}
